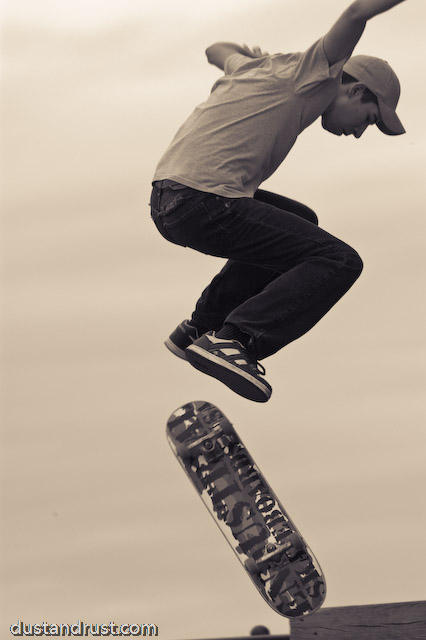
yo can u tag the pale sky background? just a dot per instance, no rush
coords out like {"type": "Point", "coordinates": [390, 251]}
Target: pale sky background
{"type": "Point", "coordinates": [99, 522]}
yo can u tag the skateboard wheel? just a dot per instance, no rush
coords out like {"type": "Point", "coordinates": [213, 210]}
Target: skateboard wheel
{"type": "Point", "coordinates": [296, 542]}
{"type": "Point", "coordinates": [182, 451]}
{"type": "Point", "coordinates": [270, 548]}
{"type": "Point", "coordinates": [296, 545]}
{"type": "Point", "coordinates": [208, 445]}
{"type": "Point", "coordinates": [252, 567]}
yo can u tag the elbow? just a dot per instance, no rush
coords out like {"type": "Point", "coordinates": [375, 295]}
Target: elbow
{"type": "Point", "coordinates": [214, 55]}
{"type": "Point", "coordinates": [210, 53]}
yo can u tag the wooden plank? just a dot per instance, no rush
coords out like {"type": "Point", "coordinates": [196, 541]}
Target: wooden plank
{"type": "Point", "coordinates": [398, 621]}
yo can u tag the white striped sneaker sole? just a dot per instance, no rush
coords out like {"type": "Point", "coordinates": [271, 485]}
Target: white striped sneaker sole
{"type": "Point", "coordinates": [234, 377]}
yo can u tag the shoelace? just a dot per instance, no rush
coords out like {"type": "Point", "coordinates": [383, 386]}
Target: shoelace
{"type": "Point", "coordinates": [251, 359]}
{"type": "Point", "coordinates": [257, 366]}
{"type": "Point", "coordinates": [261, 369]}
{"type": "Point", "coordinates": [254, 363]}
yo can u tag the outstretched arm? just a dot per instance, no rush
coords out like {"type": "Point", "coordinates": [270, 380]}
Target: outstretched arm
{"type": "Point", "coordinates": [218, 52]}
{"type": "Point", "coordinates": [340, 41]}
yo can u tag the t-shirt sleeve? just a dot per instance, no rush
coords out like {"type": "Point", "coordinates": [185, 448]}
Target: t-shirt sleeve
{"type": "Point", "coordinates": [234, 62]}
{"type": "Point", "coordinates": [313, 68]}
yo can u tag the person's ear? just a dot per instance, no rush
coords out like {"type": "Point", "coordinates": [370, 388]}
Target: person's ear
{"type": "Point", "coordinates": [356, 89]}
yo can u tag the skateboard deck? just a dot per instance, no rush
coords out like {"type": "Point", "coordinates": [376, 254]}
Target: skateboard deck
{"type": "Point", "coordinates": [245, 508]}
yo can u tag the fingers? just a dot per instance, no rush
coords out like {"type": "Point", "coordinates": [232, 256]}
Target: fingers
{"type": "Point", "coordinates": [258, 52]}
{"type": "Point", "coordinates": [255, 52]}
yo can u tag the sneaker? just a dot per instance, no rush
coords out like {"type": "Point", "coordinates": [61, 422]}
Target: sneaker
{"type": "Point", "coordinates": [229, 362]}
{"type": "Point", "coordinates": [182, 337]}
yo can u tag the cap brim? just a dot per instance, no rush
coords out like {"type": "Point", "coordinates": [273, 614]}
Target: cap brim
{"type": "Point", "coordinates": [390, 123]}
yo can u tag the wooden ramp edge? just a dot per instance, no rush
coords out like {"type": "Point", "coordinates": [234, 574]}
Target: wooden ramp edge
{"type": "Point", "coordinates": [397, 621]}
{"type": "Point", "coordinates": [256, 637]}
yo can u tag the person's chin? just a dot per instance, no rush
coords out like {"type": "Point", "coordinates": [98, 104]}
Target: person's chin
{"type": "Point", "coordinates": [326, 125]}
{"type": "Point", "coordinates": [331, 129]}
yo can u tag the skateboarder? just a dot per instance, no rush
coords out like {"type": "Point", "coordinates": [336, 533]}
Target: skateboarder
{"type": "Point", "coordinates": [283, 272]}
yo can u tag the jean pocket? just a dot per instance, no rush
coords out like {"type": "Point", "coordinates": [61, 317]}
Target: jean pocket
{"type": "Point", "coordinates": [202, 228]}
{"type": "Point", "coordinates": [184, 207]}
{"type": "Point", "coordinates": [169, 200]}
{"type": "Point", "coordinates": [198, 223]}
{"type": "Point", "coordinates": [180, 224]}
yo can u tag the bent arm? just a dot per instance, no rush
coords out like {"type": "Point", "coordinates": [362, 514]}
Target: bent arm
{"type": "Point", "coordinates": [218, 53]}
{"type": "Point", "coordinates": [340, 41]}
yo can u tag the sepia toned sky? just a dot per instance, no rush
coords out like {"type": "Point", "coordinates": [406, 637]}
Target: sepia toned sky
{"type": "Point", "coordinates": [98, 521]}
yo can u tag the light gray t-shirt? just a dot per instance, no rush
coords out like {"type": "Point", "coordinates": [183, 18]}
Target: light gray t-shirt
{"type": "Point", "coordinates": [240, 135]}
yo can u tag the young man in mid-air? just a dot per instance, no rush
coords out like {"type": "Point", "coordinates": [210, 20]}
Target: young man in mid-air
{"type": "Point", "coordinates": [283, 272]}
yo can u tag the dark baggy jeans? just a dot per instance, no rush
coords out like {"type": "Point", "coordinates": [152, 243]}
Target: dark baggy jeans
{"type": "Point", "coordinates": [283, 272]}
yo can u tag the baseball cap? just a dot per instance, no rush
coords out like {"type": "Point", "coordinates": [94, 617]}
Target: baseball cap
{"type": "Point", "coordinates": [381, 79]}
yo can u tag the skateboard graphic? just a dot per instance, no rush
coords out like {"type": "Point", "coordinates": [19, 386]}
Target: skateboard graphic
{"type": "Point", "coordinates": [245, 508]}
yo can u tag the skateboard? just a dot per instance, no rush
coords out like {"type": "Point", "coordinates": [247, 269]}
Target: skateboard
{"type": "Point", "coordinates": [245, 508]}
